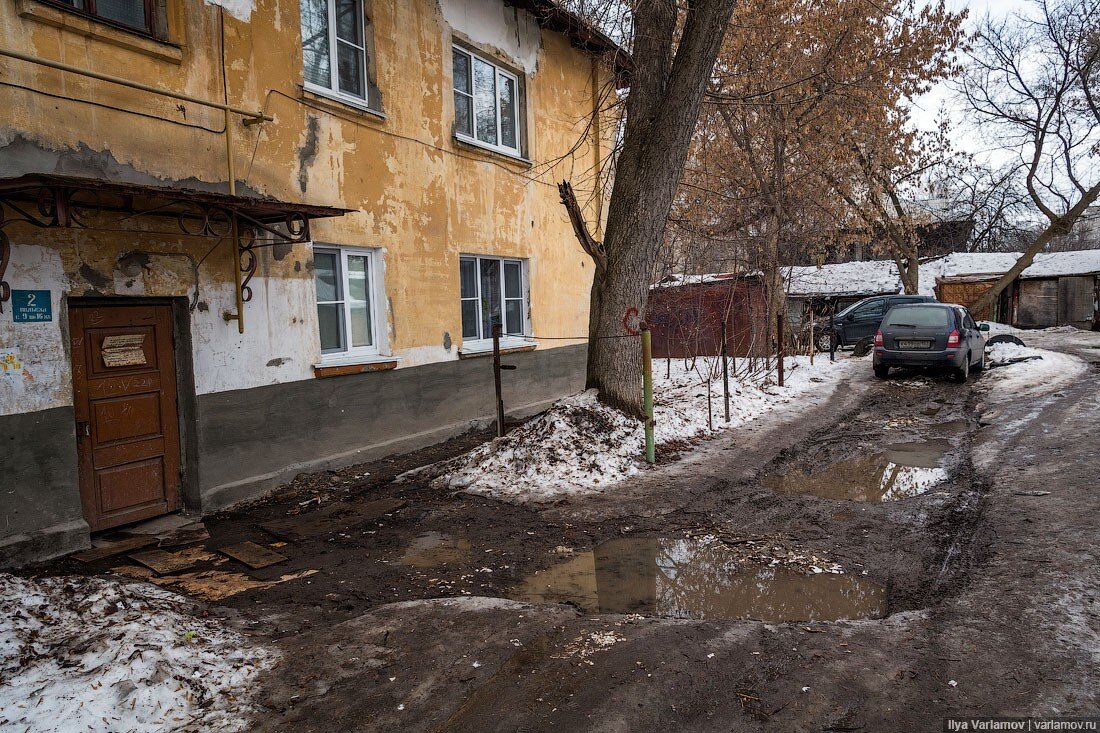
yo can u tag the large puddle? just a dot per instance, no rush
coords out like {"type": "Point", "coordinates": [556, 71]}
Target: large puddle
{"type": "Point", "coordinates": [898, 472]}
{"type": "Point", "coordinates": [698, 579]}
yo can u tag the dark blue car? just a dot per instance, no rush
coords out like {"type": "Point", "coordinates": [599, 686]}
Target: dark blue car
{"type": "Point", "coordinates": [860, 320]}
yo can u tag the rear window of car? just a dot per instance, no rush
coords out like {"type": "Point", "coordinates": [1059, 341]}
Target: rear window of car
{"type": "Point", "coordinates": [918, 317]}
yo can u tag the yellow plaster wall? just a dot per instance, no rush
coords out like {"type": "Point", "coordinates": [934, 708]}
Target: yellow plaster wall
{"type": "Point", "coordinates": [419, 194]}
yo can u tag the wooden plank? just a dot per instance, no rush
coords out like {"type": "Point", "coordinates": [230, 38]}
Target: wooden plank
{"type": "Point", "coordinates": [332, 518]}
{"type": "Point", "coordinates": [253, 555]}
{"type": "Point", "coordinates": [186, 535]}
{"type": "Point", "coordinates": [162, 562]}
{"type": "Point", "coordinates": [125, 544]}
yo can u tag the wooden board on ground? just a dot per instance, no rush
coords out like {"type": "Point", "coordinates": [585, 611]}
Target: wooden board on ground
{"type": "Point", "coordinates": [253, 555]}
{"type": "Point", "coordinates": [185, 535]}
{"type": "Point", "coordinates": [124, 544]}
{"type": "Point", "coordinates": [335, 517]}
{"type": "Point", "coordinates": [161, 562]}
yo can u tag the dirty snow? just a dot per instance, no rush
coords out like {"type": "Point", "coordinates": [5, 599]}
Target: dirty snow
{"type": "Point", "coordinates": [1050, 371]}
{"type": "Point", "coordinates": [581, 445]}
{"type": "Point", "coordinates": [82, 653]}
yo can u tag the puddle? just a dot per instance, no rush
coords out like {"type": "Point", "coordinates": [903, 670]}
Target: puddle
{"type": "Point", "coordinates": [898, 472]}
{"type": "Point", "coordinates": [434, 549]}
{"type": "Point", "coordinates": [698, 579]}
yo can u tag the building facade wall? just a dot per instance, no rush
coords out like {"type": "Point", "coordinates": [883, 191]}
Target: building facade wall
{"type": "Point", "coordinates": [420, 199]}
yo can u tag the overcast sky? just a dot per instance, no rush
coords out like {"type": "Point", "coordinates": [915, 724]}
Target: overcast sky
{"type": "Point", "coordinates": [927, 108]}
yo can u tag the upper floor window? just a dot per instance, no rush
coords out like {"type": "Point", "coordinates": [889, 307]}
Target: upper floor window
{"type": "Point", "coordinates": [346, 313]}
{"type": "Point", "coordinates": [334, 50]}
{"type": "Point", "coordinates": [492, 291]}
{"type": "Point", "coordinates": [139, 15]}
{"type": "Point", "coordinates": [487, 103]}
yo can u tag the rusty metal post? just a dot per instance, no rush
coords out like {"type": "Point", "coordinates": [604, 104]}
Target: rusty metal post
{"type": "Point", "coordinates": [780, 350]}
{"type": "Point", "coordinates": [496, 380]}
{"type": "Point", "coordinates": [725, 371]}
{"type": "Point", "coordinates": [647, 393]}
{"type": "Point", "coordinates": [832, 336]}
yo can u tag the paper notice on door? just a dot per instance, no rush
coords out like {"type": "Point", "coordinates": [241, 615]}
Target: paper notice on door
{"type": "Point", "coordinates": [124, 350]}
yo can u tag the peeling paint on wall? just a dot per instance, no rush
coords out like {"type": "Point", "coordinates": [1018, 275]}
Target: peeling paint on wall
{"type": "Point", "coordinates": [43, 379]}
{"type": "Point", "coordinates": [307, 151]}
{"type": "Point", "coordinates": [239, 9]}
{"type": "Point", "coordinates": [512, 32]}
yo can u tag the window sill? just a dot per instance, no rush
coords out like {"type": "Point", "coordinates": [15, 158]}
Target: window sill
{"type": "Point", "coordinates": [336, 103]}
{"type": "Point", "coordinates": [51, 15]}
{"type": "Point", "coordinates": [476, 147]}
{"type": "Point", "coordinates": [508, 345]}
{"type": "Point", "coordinates": [344, 365]}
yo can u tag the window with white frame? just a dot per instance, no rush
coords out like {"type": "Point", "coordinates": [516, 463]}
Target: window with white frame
{"type": "Point", "coordinates": [346, 314]}
{"type": "Point", "coordinates": [487, 103]}
{"type": "Point", "coordinates": [334, 50]}
{"type": "Point", "coordinates": [493, 290]}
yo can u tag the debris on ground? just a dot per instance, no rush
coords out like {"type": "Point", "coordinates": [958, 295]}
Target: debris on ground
{"type": "Point", "coordinates": [581, 445]}
{"type": "Point", "coordinates": [80, 653]}
{"type": "Point", "coordinates": [253, 555]}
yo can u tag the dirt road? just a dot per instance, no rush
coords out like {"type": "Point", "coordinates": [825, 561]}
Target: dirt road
{"type": "Point", "coordinates": [974, 585]}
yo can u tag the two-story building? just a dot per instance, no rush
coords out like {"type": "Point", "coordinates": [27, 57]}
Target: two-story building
{"type": "Point", "coordinates": [245, 239]}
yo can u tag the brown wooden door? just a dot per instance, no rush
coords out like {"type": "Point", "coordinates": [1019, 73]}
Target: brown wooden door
{"type": "Point", "coordinates": [124, 387]}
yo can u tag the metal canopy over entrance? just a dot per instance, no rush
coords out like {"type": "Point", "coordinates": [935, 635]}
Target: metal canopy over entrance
{"type": "Point", "coordinates": [46, 201]}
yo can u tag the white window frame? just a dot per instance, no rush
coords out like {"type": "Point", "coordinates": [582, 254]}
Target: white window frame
{"type": "Point", "coordinates": [374, 288]}
{"type": "Point", "coordinates": [517, 85]}
{"type": "Point", "coordinates": [484, 338]}
{"type": "Point", "coordinates": [333, 91]}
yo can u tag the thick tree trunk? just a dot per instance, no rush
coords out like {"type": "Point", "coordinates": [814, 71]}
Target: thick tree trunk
{"type": "Point", "coordinates": [662, 110]}
{"type": "Point", "coordinates": [910, 273]}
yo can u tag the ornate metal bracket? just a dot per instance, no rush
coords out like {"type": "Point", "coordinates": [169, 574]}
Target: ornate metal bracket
{"type": "Point", "coordinates": [46, 202]}
{"type": "Point", "coordinates": [246, 252]}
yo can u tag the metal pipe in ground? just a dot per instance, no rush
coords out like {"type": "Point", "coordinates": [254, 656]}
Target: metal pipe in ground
{"type": "Point", "coordinates": [780, 350]}
{"type": "Point", "coordinates": [647, 393]}
{"type": "Point", "coordinates": [496, 380]}
{"type": "Point", "coordinates": [725, 372]}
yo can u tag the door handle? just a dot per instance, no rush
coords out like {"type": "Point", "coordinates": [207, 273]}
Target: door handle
{"type": "Point", "coordinates": [83, 429]}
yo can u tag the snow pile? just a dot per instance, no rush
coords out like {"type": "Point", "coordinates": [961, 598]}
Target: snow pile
{"type": "Point", "coordinates": [581, 445]}
{"type": "Point", "coordinates": [1023, 370]}
{"type": "Point", "coordinates": [82, 653]}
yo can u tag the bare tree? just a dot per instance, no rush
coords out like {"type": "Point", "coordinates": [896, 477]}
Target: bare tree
{"type": "Point", "coordinates": [1032, 81]}
{"type": "Point", "coordinates": [674, 45]}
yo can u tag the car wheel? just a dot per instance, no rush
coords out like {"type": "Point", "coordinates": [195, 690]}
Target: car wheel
{"type": "Point", "coordinates": [882, 372]}
{"type": "Point", "coordinates": [824, 342]}
{"type": "Point", "coordinates": [980, 365]}
{"type": "Point", "coordinates": [963, 372]}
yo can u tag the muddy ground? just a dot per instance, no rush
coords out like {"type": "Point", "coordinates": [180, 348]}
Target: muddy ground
{"type": "Point", "coordinates": [983, 589]}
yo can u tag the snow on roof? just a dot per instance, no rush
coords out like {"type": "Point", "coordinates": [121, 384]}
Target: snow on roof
{"type": "Point", "coordinates": [675, 281]}
{"type": "Point", "coordinates": [873, 277]}
{"type": "Point", "coordinates": [1084, 262]}
{"type": "Point", "coordinates": [878, 277]}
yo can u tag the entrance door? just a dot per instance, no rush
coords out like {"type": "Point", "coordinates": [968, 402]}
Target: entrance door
{"type": "Point", "coordinates": [124, 386]}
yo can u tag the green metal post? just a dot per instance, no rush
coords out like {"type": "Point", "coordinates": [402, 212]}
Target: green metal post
{"type": "Point", "coordinates": [647, 393]}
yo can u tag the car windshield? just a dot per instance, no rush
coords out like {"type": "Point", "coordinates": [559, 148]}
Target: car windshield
{"type": "Point", "coordinates": [918, 317]}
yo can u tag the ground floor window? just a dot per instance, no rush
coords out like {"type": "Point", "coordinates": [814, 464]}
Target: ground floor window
{"type": "Point", "coordinates": [346, 299]}
{"type": "Point", "coordinates": [493, 290]}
